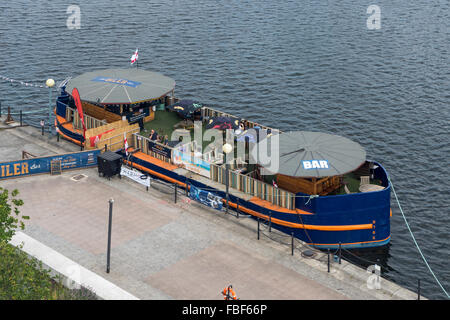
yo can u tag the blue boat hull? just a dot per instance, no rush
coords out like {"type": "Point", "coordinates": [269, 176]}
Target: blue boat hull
{"type": "Point", "coordinates": [369, 211]}
{"type": "Point", "coordinates": [358, 220]}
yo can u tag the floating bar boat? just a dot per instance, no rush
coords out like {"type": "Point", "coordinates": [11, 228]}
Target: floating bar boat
{"type": "Point", "coordinates": [321, 202]}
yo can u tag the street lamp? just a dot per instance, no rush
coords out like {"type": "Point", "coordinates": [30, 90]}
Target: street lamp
{"type": "Point", "coordinates": [227, 148]}
{"type": "Point", "coordinates": [50, 83]}
{"type": "Point", "coordinates": [108, 250]}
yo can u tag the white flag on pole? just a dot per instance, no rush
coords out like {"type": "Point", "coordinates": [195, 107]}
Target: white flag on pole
{"type": "Point", "coordinates": [134, 57]}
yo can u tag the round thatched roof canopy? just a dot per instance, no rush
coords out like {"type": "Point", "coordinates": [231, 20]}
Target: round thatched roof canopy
{"type": "Point", "coordinates": [121, 86]}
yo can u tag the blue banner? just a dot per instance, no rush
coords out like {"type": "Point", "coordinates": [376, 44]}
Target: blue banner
{"type": "Point", "coordinates": [124, 82]}
{"type": "Point", "coordinates": [205, 197]}
{"type": "Point", "coordinates": [39, 165]}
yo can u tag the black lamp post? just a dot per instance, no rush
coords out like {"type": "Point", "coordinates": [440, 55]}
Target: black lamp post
{"type": "Point", "coordinates": [50, 84]}
{"type": "Point", "coordinates": [108, 253]}
{"type": "Point", "coordinates": [227, 148]}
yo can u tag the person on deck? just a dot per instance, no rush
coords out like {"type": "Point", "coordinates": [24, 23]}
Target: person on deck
{"type": "Point", "coordinates": [153, 135]}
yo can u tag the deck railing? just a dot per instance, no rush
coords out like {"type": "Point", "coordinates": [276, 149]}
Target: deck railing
{"type": "Point", "coordinates": [208, 112]}
{"type": "Point", "coordinates": [90, 122]}
{"type": "Point", "coordinates": [158, 151]}
{"type": "Point", "coordinates": [255, 187]}
{"type": "Point", "coordinates": [116, 142]}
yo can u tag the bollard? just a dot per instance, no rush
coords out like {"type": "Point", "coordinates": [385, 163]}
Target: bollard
{"type": "Point", "coordinates": [340, 252]}
{"type": "Point", "coordinates": [108, 253]}
{"type": "Point", "coordinates": [9, 117]}
{"type": "Point", "coordinates": [175, 186]}
{"type": "Point", "coordinates": [237, 207]}
{"type": "Point", "coordinates": [187, 187]}
{"type": "Point", "coordinates": [292, 243]}
{"type": "Point", "coordinates": [20, 117]}
{"type": "Point", "coordinates": [418, 289]}
{"type": "Point", "coordinates": [270, 221]}
{"type": "Point", "coordinates": [258, 228]}
{"type": "Point", "coordinates": [328, 260]}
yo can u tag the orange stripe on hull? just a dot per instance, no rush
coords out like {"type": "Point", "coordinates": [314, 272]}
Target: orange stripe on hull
{"type": "Point", "coordinates": [160, 175]}
{"type": "Point", "coordinates": [67, 137]}
{"type": "Point", "coordinates": [344, 244]}
{"type": "Point", "coordinates": [153, 160]}
{"type": "Point", "coordinates": [268, 205]}
{"type": "Point", "coordinates": [302, 226]}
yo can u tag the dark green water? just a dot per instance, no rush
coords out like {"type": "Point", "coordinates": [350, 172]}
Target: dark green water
{"type": "Point", "coordinates": [294, 65]}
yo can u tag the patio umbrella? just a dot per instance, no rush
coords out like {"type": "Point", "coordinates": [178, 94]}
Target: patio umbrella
{"type": "Point", "coordinates": [223, 123]}
{"type": "Point", "coordinates": [314, 154]}
{"type": "Point", "coordinates": [185, 107]}
{"type": "Point", "coordinates": [117, 86]}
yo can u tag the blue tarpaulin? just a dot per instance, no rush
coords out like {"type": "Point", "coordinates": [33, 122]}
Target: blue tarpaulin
{"type": "Point", "coordinates": [205, 197]}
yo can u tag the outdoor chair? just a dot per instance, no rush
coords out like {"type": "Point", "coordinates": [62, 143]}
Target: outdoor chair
{"type": "Point", "coordinates": [365, 180]}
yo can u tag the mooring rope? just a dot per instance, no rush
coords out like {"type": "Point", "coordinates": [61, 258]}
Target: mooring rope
{"type": "Point", "coordinates": [414, 239]}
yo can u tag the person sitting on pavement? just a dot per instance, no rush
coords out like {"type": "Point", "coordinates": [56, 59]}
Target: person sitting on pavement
{"type": "Point", "coordinates": [229, 294]}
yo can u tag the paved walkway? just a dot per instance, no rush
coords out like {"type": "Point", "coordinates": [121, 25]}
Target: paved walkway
{"type": "Point", "coordinates": [159, 249]}
{"type": "Point", "coordinates": [162, 250]}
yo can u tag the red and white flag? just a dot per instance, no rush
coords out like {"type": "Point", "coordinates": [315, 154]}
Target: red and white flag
{"type": "Point", "coordinates": [125, 143]}
{"type": "Point", "coordinates": [134, 57]}
{"type": "Point", "coordinates": [274, 184]}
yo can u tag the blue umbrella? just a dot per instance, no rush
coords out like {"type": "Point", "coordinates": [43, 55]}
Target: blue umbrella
{"type": "Point", "coordinates": [185, 107]}
{"type": "Point", "coordinates": [223, 123]}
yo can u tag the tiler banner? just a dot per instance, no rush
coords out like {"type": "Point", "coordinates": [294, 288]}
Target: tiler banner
{"type": "Point", "coordinates": [25, 167]}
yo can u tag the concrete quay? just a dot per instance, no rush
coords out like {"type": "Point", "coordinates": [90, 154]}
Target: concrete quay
{"type": "Point", "coordinates": [163, 250]}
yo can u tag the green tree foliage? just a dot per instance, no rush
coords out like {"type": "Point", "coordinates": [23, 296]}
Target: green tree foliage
{"type": "Point", "coordinates": [10, 218]}
{"type": "Point", "coordinates": [23, 277]}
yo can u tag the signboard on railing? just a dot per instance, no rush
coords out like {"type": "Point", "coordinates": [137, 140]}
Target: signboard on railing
{"type": "Point", "coordinates": [159, 149]}
{"type": "Point", "coordinates": [135, 175]}
{"type": "Point", "coordinates": [25, 167]}
{"type": "Point", "coordinates": [192, 163]}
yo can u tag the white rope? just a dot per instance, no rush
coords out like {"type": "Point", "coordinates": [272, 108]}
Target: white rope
{"type": "Point", "coordinates": [414, 239]}
{"type": "Point", "coordinates": [24, 83]}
